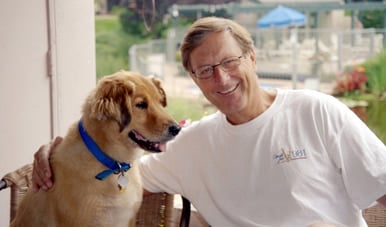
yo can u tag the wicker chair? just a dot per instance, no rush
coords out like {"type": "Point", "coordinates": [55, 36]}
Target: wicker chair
{"type": "Point", "coordinates": [156, 210]}
{"type": "Point", "coordinates": [375, 216]}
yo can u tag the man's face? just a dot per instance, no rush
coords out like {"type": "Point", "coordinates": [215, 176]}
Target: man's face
{"type": "Point", "coordinates": [231, 90]}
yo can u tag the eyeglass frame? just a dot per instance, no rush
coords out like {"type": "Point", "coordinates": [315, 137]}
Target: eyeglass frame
{"type": "Point", "coordinates": [215, 65]}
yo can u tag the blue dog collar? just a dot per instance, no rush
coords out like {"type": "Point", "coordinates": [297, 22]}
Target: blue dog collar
{"type": "Point", "coordinates": [112, 165]}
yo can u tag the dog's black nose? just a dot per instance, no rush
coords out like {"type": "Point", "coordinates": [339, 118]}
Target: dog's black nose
{"type": "Point", "coordinates": [174, 130]}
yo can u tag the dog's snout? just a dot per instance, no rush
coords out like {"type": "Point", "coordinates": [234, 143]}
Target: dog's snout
{"type": "Point", "coordinates": [174, 129]}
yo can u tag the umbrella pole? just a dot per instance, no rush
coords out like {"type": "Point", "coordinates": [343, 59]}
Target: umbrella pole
{"type": "Point", "coordinates": [294, 41]}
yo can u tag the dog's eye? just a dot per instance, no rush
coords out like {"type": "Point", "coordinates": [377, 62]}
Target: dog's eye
{"type": "Point", "coordinates": [141, 105]}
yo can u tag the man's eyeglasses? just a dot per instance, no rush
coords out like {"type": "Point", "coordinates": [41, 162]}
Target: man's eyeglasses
{"type": "Point", "coordinates": [226, 65]}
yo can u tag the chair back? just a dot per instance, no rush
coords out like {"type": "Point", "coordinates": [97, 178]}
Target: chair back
{"type": "Point", "coordinates": [19, 181]}
{"type": "Point", "coordinates": [156, 209]}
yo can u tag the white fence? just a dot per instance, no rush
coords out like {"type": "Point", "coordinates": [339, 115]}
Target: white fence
{"type": "Point", "coordinates": [295, 54]}
{"type": "Point", "coordinates": [313, 52]}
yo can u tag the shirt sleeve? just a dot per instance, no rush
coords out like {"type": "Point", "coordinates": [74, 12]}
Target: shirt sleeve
{"type": "Point", "coordinates": [361, 156]}
{"type": "Point", "coordinates": [157, 175]}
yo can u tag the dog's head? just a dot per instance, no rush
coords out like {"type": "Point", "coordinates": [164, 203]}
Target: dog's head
{"type": "Point", "coordinates": [131, 107]}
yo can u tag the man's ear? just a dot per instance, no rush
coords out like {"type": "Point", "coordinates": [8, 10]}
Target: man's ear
{"type": "Point", "coordinates": [252, 56]}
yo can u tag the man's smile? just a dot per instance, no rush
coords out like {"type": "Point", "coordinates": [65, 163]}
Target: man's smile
{"type": "Point", "coordinates": [229, 90]}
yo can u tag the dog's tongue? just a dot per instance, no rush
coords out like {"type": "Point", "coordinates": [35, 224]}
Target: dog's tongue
{"type": "Point", "coordinates": [162, 147]}
{"type": "Point", "coordinates": [184, 122]}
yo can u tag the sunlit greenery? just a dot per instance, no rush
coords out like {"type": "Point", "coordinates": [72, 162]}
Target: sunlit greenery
{"type": "Point", "coordinates": [193, 109]}
{"type": "Point", "coordinates": [112, 45]}
{"type": "Point", "coordinates": [376, 73]}
{"type": "Point", "coordinates": [376, 115]}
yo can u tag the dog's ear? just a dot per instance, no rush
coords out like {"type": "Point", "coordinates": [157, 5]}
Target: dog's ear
{"type": "Point", "coordinates": [157, 83]}
{"type": "Point", "coordinates": [113, 101]}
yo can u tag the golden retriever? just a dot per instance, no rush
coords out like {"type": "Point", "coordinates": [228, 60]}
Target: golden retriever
{"type": "Point", "coordinates": [124, 113]}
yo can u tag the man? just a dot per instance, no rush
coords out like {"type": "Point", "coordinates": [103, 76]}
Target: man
{"type": "Point", "coordinates": [268, 157]}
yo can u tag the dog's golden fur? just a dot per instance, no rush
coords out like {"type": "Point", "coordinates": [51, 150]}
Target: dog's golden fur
{"type": "Point", "coordinates": [121, 103]}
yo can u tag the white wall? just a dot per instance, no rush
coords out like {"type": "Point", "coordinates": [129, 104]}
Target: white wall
{"type": "Point", "coordinates": [36, 105]}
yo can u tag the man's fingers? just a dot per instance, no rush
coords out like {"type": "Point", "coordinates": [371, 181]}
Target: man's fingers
{"type": "Point", "coordinates": [41, 160]}
{"type": "Point", "coordinates": [40, 170]}
{"type": "Point", "coordinates": [56, 141]}
{"type": "Point", "coordinates": [41, 174]}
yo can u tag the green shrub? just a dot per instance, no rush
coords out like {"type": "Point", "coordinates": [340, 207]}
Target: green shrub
{"type": "Point", "coordinates": [376, 73]}
{"type": "Point", "coordinates": [376, 118]}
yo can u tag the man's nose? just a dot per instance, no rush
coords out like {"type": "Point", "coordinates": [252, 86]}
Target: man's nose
{"type": "Point", "coordinates": [220, 76]}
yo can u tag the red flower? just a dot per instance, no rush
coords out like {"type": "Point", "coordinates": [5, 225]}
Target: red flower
{"type": "Point", "coordinates": [351, 81]}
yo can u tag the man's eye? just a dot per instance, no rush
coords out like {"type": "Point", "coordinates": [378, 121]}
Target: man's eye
{"type": "Point", "coordinates": [228, 62]}
{"type": "Point", "coordinates": [141, 105]}
{"type": "Point", "coordinates": [206, 70]}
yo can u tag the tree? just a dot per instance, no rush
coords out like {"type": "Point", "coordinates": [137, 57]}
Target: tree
{"type": "Point", "coordinates": [150, 18]}
{"type": "Point", "coordinates": [372, 19]}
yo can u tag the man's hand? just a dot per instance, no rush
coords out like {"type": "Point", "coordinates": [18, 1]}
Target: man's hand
{"type": "Point", "coordinates": [41, 174]}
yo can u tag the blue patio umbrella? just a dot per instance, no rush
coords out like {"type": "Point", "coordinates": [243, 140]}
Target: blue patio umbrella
{"type": "Point", "coordinates": [281, 17]}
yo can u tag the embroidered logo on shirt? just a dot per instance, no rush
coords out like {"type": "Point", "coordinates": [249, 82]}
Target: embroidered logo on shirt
{"type": "Point", "coordinates": [286, 156]}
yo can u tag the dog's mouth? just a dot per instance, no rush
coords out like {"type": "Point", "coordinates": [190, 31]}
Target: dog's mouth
{"type": "Point", "coordinates": [144, 143]}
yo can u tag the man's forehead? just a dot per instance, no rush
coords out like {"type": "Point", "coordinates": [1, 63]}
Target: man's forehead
{"type": "Point", "coordinates": [215, 47]}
